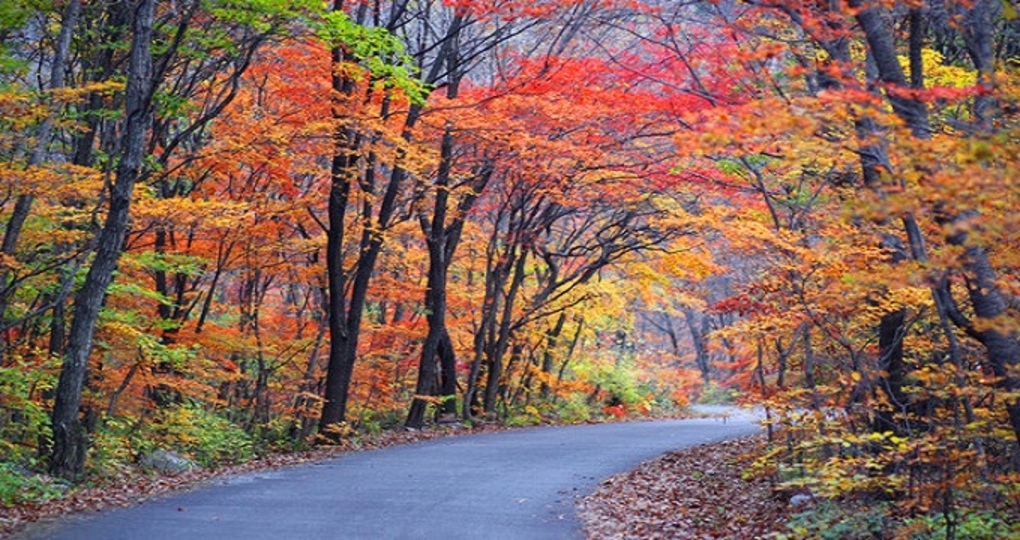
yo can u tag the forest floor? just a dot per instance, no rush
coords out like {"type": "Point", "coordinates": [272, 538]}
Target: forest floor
{"type": "Point", "coordinates": [698, 492]}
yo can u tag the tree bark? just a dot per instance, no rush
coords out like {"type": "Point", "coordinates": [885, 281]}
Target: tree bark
{"type": "Point", "coordinates": [339, 368]}
{"type": "Point", "coordinates": [552, 339]}
{"type": "Point", "coordinates": [497, 349]}
{"type": "Point", "coordinates": [69, 439]}
{"type": "Point", "coordinates": [698, 334]}
{"type": "Point", "coordinates": [435, 293]}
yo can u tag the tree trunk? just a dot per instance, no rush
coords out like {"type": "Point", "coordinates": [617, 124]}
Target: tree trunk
{"type": "Point", "coordinates": [552, 338]}
{"type": "Point", "coordinates": [496, 350]}
{"type": "Point", "coordinates": [340, 367]}
{"type": "Point", "coordinates": [891, 332]}
{"type": "Point", "coordinates": [977, 34]}
{"type": "Point", "coordinates": [1002, 348]}
{"type": "Point", "coordinates": [23, 204]}
{"type": "Point", "coordinates": [698, 334]}
{"type": "Point", "coordinates": [490, 305]}
{"type": "Point", "coordinates": [447, 375]}
{"type": "Point", "coordinates": [435, 293]}
{"type": "Point", "coordinates": [69, 440]}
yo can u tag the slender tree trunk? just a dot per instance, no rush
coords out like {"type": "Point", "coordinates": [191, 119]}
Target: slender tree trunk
{"type": "Point", "coordinates": [810, 378]}
{"type": "Point", "coordinates": [69, 439]}
{"type": "Point", "coordinates": [435, 293]}
{"type": "Point", "coordinates": [23, 204]}
{"type": "Point", "coordinates": [552, 338]}
{"type": "Point", "coordinates": [497, 350]}
{"type": "Point", "coordinates": [698, 333]}
{"type": "Point", "coordinates": [490, 305]}
{"type": "Point", "coordinates": [570, 351]}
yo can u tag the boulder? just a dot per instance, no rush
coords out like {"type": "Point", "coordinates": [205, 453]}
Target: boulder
{"type": "Point", "coordinates": [801, 499]}
{"type": "Point", "coordinates": [167, 462]}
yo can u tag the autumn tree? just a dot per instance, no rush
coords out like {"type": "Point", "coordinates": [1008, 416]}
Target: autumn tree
{"type": "Point", "coordinates": [162, 128]}
{"type": "Point", "coordinates": [874, 120]}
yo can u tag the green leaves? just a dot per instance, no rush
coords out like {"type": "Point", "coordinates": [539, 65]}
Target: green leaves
{"type": "Point", "coordinates": [13, 16]}
{"type": "Point", "coordinates": [1009, 11]}
{"type": "Point", "coordinates": [378, 51]}
{"type": "Point", "coordinates": [264, 16]}
{"type": "Point", "coordinates": [337, 30]}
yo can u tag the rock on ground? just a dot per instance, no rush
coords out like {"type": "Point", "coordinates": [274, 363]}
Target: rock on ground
{"type": "Point", "coordinates": [167, 462]}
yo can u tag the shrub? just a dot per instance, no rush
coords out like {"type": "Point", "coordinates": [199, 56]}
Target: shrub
{"type": "Point", "coordinates": [828, 520]}
{"type": "Point", "coordinates": [112, 448]}
{"type": "Point", "coordinates": [19, 486]}
{"type": "Point", "coordinates": [971, 526]}
{"type": "Point", "coordinates": [527, 416]}
{"type": "Point", "coordinates": [206, 437]}
{"type": "Point", "coordinates": [573, 410]}
{"type": "Point", "coordinates": [23, 419]}
{"type": "Point", "coordinates": [714, 394]}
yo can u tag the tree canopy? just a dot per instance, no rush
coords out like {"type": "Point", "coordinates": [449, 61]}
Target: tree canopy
{"type": "Point", "coordinates": [234, 227]}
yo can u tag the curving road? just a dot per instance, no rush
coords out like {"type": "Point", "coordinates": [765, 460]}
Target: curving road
{"type": "Point", "coordinates": [512, 485]}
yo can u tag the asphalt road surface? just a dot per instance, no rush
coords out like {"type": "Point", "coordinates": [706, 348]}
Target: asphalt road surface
{"type": "Point", "coordinates": [519, 484]}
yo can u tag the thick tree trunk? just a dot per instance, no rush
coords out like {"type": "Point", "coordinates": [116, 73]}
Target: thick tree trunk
{"type": "Point", "coordinates": [1002, 347]}
{"type": "Point", "coordinates": [881, 44]}
{"type": "Point", "coordinates": [891, 331]}
{"type": "Point", "coordinates": [338, 369]}
{"type": "Point", "coordinates": [977, 34]}
{"type": "Point", "coordinates": [69, 439]}
{"type": "Point", "coordinates": [447, 375]}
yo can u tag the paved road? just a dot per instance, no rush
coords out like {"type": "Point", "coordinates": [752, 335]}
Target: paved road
{"type": "Point", "coordinates": [513, 485]}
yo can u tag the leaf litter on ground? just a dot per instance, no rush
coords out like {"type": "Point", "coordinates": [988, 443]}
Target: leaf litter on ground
{"type": "Point", "coordinates": [697, 492]}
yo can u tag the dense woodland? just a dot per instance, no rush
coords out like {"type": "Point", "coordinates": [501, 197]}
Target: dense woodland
{"type": "Point", "coordinates": [235, 227]}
